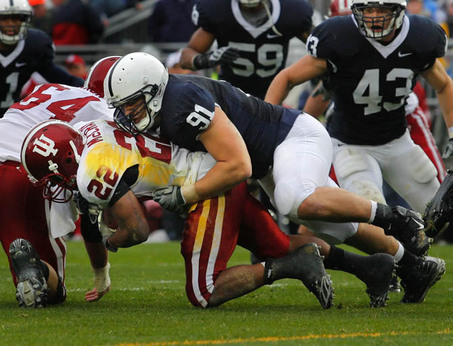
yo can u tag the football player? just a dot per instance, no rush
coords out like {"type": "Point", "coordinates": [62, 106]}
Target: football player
{"type": "Point", "coordinates": [37, 225]}
{"type": "Point", "coordinates": [288, 151]}
{"type": "Point", "coordinates": [252, 38]}
{"type": "Point", "coordinates": [114, 170]}
{"type": "Point", "coordinates": [24, 51]}
{"type": "Point", "coordinates": [371, 69]}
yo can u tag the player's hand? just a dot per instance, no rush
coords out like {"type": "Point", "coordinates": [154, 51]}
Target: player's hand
{"type": "Point", "coordinates": [101, 284]}
{"type": "Point", "coordinates": [225, 55]}
{"type": "Point", "coordinates": [94, 295]}
{"type": "Point", "coordinates": [448, 151]}
{"type": "Point", "coordinates": [170, 198]}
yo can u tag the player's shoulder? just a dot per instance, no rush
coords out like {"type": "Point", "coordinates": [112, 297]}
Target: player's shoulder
{"type": "Point", "coordinates": [425, 34]}
{"type": "Point", "coordinates": [103, 161]}
{"type": "Point", "coordinates": [297, 7]}
{"type": "Point", "coordinates": [188, 90]}
{"type": "Point", "coordinates": [37, 37]}
{"type": "Point", "coordinates": [334, 34]}
{"type": "Point", "coordinates": [205, 11]}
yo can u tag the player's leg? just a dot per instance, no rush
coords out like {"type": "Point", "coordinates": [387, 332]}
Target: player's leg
{"type": "Point", "coordinates": [24, 216]}
{"type": "Point", "coordinates": [410, 173]}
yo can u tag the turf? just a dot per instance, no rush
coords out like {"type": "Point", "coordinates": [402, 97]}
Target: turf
{"type": "Point", "coordinates": [147, 305]}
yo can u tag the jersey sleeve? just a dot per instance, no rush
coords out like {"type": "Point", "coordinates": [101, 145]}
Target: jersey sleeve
{"type": "Point", "coordinates": [299, 17]}
{"type": "Point", "coordinates": [194, 115]}
{"type": "Point", "coordinates": [100, 171]}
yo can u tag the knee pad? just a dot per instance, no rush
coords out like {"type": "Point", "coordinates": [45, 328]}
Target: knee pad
{"type": "Point", "coordinates": [347, 162]}
{"type": "Point", "coordinates": [421, 168]}
{"type": "Point", "coordinates": [288, 197]}
{"type": "Point", "coordinates": [368, 190]}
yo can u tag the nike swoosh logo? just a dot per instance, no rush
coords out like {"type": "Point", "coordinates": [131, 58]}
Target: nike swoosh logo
{"type": "Point", "coordinates": [20, 64]}
{"type": "Point", "coordinates": [402, 55]}
{"type": "Point", "coordinates": [272, 36]}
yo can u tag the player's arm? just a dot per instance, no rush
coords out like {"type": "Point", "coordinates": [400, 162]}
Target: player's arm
{"type": "Point", "coordinates": [226, 145]}
{"type": "Point", "coordinates": [200, 42]}
{"type": "Point", "coordinates": [196, 55]}
{"type": "Point", "coordinates": [438, 78]}
{"type": "Point", "coordinates": [306, 68]}
{"type": "Point", "coordinates": [130, 222]}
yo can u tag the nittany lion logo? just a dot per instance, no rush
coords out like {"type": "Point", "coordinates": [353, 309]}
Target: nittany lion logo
{"type": "Point", "coordinates": [44, 146]}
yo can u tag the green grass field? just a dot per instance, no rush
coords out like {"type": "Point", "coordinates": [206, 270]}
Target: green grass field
{"type": "Point", "coordinates": [147, 305]}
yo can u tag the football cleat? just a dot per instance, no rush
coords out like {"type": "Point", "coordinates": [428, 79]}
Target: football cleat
{"type": "Point", "coordinates": [421, 278]}
{"type": "Point", "coordinates": [31, 290]}
{"type": "Point", "coordinates": [306, 264]}
{"type": "Point", "coordinates": [407, 226]}
{"type": "Point", "coordinates": [395, 284]}
{"type": "Point", "coordinates": [378, 277]}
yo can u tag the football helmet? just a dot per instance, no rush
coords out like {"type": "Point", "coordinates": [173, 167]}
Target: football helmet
{"type": "Point", "coordinates": [139, 80]}
{"type": "Point", "coordinates": [50, 154]}
{"type": "Point", "coordinates": [340, 8]}
{"type": "Point", "coordinates": [17, 8]}
{"type": "Point", "coordinates": [96, 76]}
{"type": "Point", "coordinates": [366, 23]}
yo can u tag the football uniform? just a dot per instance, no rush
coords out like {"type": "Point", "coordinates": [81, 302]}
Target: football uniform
{"type": "Point", "coordinates": [213, 227]}
{"type": "Point", "coordinates": [33, 54]}
{"type": "Point", "coordinates": [263, 52]}
{"type": "Point", "coordinates": [370, 83]}
{"type": "Point", "coordinates": [24, 211]}
{"type": "Point", "coordinates": [296, 145]}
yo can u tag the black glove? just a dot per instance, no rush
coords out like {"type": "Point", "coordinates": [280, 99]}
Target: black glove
{"type": "Point", "coordinates": [170, 198]}
{"type": "Point", "coordinates": [439, 210]}
{"type": "Point", "coordinates": [224, 55]}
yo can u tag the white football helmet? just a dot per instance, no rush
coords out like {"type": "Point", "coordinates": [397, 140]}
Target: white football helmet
{"type": "Point", "coordinates": [136, 77]}
{"type": "Point", "coordinates": [23, 11]}
{"type": "Point", "coordinates": [365, 23]}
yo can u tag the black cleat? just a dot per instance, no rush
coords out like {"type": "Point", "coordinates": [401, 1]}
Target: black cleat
{"type": "Point", "coordinates": [395, 284]}
{"type": "Point", "coordinates": [408, 227]}
{"type": "Point", "coordinates": [306, 264]}
{"type": "Point", "coordinates": [421, 278]}
{"type": "Point", "coordinates": [31, 290]}
{"type": "Point", "coordinates": [378, 277]}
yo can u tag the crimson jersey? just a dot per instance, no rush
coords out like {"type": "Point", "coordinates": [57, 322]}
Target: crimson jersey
{"type": "Point", "coordinates": [370, 82]}
{"type": "Point", "coordinates": [263, 52]}
{"type": "Point", "coordinates": [34, 54]}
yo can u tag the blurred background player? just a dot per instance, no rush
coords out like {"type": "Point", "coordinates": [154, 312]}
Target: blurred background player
{"type": "Point", "coordinates": [24, 51]}
{"type": "Point", "coordinates": [76, 66]}
{"type": "Point", "coordinates": [38, 224]}
{"type": "Point", "coordinates": [252, 38]}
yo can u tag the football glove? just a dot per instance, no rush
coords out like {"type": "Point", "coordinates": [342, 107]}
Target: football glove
{"type": "Point", "coordinates": [170, 198]}
{"type": "Point", "coordinates": [448, 151]}
{"type": "Point", "coordinates": [224, 55]}
{"type": "Point", "coordinates": [439, 211]}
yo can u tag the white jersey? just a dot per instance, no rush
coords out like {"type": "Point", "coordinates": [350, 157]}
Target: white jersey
{"type": "Point", "coordinates": [47, 101]}
{"type": "Point", "coordinates": [109, 152]}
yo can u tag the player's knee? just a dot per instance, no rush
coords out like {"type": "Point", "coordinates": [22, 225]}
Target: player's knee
{"type": "Point", "coordinates": [421, 168]}
{"type": "Point", "coordinates": [349, 162]}
{"type": "Point", "coordinates": [368, 190]}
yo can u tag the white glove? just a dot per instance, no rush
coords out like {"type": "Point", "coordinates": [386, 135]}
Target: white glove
{"type": "Point", "coordinates": [170, 198]}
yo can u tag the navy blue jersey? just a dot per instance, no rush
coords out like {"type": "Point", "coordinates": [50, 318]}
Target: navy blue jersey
{"type": "Point", "coordinates": [263, 52]}
{"type": "Point", "coordinates": [188, 108]}
{"type": "Point", "coordinates": [370, 82]}
{"type": "Point", "coordinates": [35, 53]}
